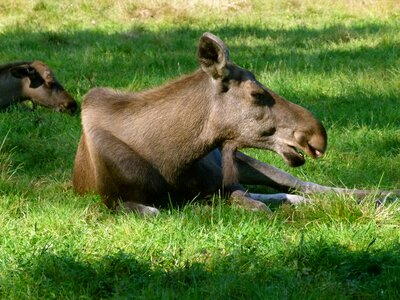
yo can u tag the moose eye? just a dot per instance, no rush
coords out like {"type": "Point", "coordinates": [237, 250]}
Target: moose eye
{"type": "Point", "coordinates": [31, 70]}
{"type": "Point", "coordinates": [263, 98]}
{"type": "Point", "coordinates": [268, 132]}
{"type": "Point", "coordinates": [257, 92]}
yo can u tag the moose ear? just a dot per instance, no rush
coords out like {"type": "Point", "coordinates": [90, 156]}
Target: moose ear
{"type": "Point", "coordinates": [48, 78]}
{"type": "Point", "coordinates": [213, 55]}
{"type": "Point", "coordinates": [44, 72]}
{"type": "Point", "coordinates": [27, 71]}
{"type": "Point", "coordinates": [21, 71]}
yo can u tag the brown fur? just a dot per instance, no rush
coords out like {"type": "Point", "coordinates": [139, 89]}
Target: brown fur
{"type": "Point", "coordinates": [33, 81]}
{"type": "Point", "coordinates": [147, 148]}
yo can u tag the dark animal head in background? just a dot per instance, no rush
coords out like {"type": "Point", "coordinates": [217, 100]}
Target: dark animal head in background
{"type": "Point", "coordinates": [33, 81]}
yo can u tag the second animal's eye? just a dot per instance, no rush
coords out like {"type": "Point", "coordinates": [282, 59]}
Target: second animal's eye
{"type": "Point", "coordinates": [31, 71]}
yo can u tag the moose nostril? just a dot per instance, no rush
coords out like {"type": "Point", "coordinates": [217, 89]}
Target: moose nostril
{"type": "Point", "coordinates": [315, 143]}
{"type": "Point", "coordinates": [319, 143]}
{"type": "Point", "coordinates": [316, 153]}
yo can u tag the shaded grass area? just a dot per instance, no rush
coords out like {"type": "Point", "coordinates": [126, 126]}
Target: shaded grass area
{"type": "Point", "coordinates": [123, 276]}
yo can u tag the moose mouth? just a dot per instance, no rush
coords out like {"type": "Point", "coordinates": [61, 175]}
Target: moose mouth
{"type": "Point", "coordinates": [295, 157]}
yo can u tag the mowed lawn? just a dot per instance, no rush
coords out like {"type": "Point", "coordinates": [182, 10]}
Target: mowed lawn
{"type": "Point", "coordinates": [340, 59]}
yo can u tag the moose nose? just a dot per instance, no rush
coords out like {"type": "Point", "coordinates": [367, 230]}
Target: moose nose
{"type": "Point", "coordinates": [313, 142]}
{"type": "Point", "coordinates": [318, 142]}
{"type": "Point", "coordinates": [315, 153]}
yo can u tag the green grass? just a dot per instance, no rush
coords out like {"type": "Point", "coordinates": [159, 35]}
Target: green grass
{"type": "Point", "coordinates": [340, 59]}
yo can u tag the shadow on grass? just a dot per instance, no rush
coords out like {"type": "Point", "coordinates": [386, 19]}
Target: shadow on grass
{"type": "Point", "coordinates": [41, 143]}
{"type": "Point", "coordinates": [104, 58]}
{"type": "Point", "coordinates": [313, 270]}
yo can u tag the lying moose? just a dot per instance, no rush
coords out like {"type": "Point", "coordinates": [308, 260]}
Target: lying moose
{"type": "Point", "coordinates": [21, 81]}
{"type": "Point", "coordinates": [142, 150]}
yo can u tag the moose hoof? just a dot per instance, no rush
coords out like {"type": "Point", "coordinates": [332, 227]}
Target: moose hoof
{"type": "Point", "coordinates": [240, 199]}
{"type": "Point", "coordinates": [140, 209]}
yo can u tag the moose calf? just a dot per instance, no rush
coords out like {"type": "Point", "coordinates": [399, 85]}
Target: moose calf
{"type": "Point", "coordinates": [35, 81]}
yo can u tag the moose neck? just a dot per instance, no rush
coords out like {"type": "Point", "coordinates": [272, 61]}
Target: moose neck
{"type": "Point", "coordinates": [178, 115]}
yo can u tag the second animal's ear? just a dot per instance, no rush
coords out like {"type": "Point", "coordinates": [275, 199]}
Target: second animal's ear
{"type": "Point", "coordinates": [213, 55]}
{"type": "Point", "coordinates": [48, 78]}
{"type": "Point", "coordinates": [21, 71]}
{"type": "Point", "coordinates": [27, 71]}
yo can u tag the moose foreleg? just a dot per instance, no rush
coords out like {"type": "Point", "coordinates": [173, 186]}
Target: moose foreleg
{"type": "Point", "coordinates": [252, 171]}
{"type": "Point", "coordinates": [230, 174]}
{"type": "Point", "coordinates": [124, 179]}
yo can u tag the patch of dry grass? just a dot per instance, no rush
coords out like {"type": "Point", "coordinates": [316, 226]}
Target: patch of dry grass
{"type": "Point", "coordinates": [93, 12]}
